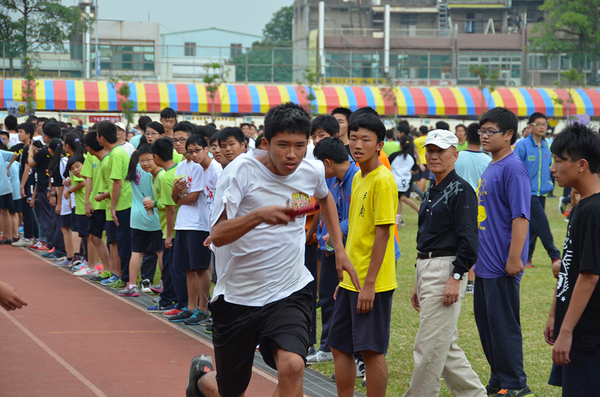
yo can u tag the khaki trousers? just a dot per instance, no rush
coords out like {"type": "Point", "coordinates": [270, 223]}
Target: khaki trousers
{"type": "Point", "coordinates": [436, 353]}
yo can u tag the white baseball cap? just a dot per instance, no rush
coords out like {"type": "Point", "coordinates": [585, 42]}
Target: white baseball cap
{"type": "Point", "coordinates": [441, 138]}
{"type": "Point", "coordinates": [121, 125]}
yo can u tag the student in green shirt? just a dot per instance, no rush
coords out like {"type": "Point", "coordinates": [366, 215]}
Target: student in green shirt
{"type": "Point", "coordinates": [95, 208]}
{"type": "Point", "coordinates": [162, 186]}
{"type": "Point", "coordinates": [119, 211]}
{"type": "Point", "coordinates": [75, 166]}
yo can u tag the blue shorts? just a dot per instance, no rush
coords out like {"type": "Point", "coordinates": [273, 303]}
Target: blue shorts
{"type": "Point", "coordinates": [144, 241]}
{"type": "Point", "coordinates": [17, 207]}
{"type": "Point", "coordinates": [74, 221]}
{"type": "Point", "coordinates": [83, 225]}
{"type": "Point", "coordinates": [97, 221]}
{"type": "Point", "coordinates": [111, 231]}
{"type": "Point", "coordinates": [353, 332]}
{"type": "Point", "coordinates": [189, 252]}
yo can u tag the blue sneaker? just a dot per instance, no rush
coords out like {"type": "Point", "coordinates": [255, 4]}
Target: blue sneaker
{"type": "Point", "coordinates": [158, 308]}
{"type": "Point", "coordinates": [21, 229]}
{"type": "Point", "coordinates": [78, 267]}
{"type": "Point", "coordinates": [110, 280]}
{"type": "Point", "coordinates": [196, 318]}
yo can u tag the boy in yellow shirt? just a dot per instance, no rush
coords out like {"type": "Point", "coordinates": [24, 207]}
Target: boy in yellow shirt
{"type": "Point", "coordinates": [361, 318]}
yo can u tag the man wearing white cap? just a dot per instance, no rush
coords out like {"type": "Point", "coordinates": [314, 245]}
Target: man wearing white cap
{"type": "Point", "coordinates": [122, 138]}
{"type": "Point", "coordinates": [447, 245]}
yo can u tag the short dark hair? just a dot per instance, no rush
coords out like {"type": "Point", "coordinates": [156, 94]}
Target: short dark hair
{"type": "Point", "coordinates": [424, 130]}
{"type": "Point", "coordinates": [389, 134]}
{"type": "Point", "coordinates": [535, 116]}
{"type": "Point", "coordinates": [578, 141]}
{"type": "Point", "coordinates": [363, 110]}
{"type": "Point", "coordinates": [28, 127]}
{"type": "Point", "coordinates": [442, 125]}
{"type": "Point", "coordinates": [143, 122]}
{"type": "Point", "coordinates": [234, 132]}
{"type": "Point", "coordinates": [287, 117]}
{"type": "Point", "coordinates": [10, 122]}
{"type": "Point", "coordinates": [473, 135]}
{"type": "Point", "coordinates": [403, 127]}
{"type": "Point", "coordinates": [460, 125]}
{"type": "Point", "coordinates": [245, 124]}
{"type": "Point", "coordinates": [341, 110]}
{"type": "Point", "coordinates": [185, 126]}
{"type": "Point", "coordinates": [331, 148]}
{"type": "Point", "coordinates": [163, 148]}
{"type": "Point", "coordinates": [327, 123]}
{"type": "Point", "coordinates": [52, 130]}
{"type": "Point", "coordinates": [91, 141]}
{"type": "Point", "coordinates": [369, 122]}
{"type": "Point", "coordinates": [73, 160]}
{"type": "Point", "coordinates": [107, 130]}
{"type": "Point", "coordinates": [5, 133]}
{"type": "Point", "coordinates": [156, 126]}
{"type": "Point", "coordinates": [196, 139]}
{"type": "Point", "coordinates": [168, 113]}
{"type": "Point", "coordinates": [505, 119]}
{"type": "Point", "coordinates": [214, 137]}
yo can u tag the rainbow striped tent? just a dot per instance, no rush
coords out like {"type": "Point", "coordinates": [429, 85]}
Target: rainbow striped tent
{"type": "Point", "coordinates": [234, 99]}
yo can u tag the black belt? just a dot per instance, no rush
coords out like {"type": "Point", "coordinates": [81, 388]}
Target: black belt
{"type": "Point", "coordinates": [434, 254]}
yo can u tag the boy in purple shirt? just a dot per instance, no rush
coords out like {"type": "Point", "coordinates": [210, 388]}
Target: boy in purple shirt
{"type": "Point", "coordinates": [503, 216]}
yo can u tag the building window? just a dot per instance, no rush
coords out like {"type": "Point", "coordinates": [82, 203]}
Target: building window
{"type": "Point", "coordinates": [189, 49]}
{"type": "Point", "coordinates": [125, 57]}
{"type": "Point", "coordinates": [236, 50]}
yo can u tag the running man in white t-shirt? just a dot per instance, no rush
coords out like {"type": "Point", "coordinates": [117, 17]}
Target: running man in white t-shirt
{"type": "Point", "coordinates": [262, 294]}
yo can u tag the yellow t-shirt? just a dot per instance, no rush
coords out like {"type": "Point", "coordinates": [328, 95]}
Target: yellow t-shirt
{"type": "Point", "coordinates": [419, 144]}
{"type": "Point", "coordinates": [374, 202]}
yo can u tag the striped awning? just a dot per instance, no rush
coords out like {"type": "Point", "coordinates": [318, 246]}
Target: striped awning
{"type": "Point", "coordinates": [232, 99]}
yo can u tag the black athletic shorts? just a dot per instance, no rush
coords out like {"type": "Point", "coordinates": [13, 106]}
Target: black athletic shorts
{"type": "Point", "coordinates": [238, 329]}
{"type": "Point", "coordinates": [74, 227]}
{"type": "Point", "coordinates": [65, 221]}
{"type": "Point", "coordinates": [353, 332]}
{"type": "Point", "coordinates": [6, 202]}
{"type": "Point", "coordinates": [111, 231]}
{"type": "Point", "coordinates": [83, 225]}
{"type": "Point", "coordinates": [189, 252]}
{"type": "Point", "coordinates": [97, 221]}
{"type": "Point", "coordinates": [17, 206]}
{"type": "Point", "coordinates": [143, 241]}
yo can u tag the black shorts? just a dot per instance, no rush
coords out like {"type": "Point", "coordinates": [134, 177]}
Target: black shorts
{"type": "Point", "coordinates": [406, 193]}
{"type": "Point", "coordinates": [17, 206]}
{"type": "Point", "coordinates": [352, 332]}
{"type": "Point", "coordinates": [111, 231]}
{"type": "Point", "coordinates": [238, 329]}
{"type": "Point", "coordinates": [83, 225]}
{"type": "Point", "coordinates": [143, 241]}
{"type": "Point", "coordinates": [189, 252]}
{"type": "Point", "coordinates": [74, 227]}
{"type": "Point", "coordinates": [97, 222]}
{"type": "Point", "coordinates": [423, 174]}
{"type": "Point", "coordinates": [65, 221]}
{"type": "Point", "coordinates": [6, 202]}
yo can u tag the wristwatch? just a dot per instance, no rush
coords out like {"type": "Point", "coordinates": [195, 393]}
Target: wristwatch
{"type": "Point", "coordinates": [457, 276]}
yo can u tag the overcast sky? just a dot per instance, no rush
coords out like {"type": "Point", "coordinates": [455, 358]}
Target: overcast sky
{"type": "Point", "coordinates": [244, 16]}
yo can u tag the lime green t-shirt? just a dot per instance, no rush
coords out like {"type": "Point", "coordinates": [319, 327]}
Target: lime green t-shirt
{"type": "Point", "coordinates": [118, 162]}
{"type": "Point", "coordinates": [91, 169]}
{"type": "Point", "coordinates": [162, 195]}
{"type": "Point", "coordinates": [178, 158]}
{"type": "Point", "coordinates": [374, 202]}
{"type": "Point", "coordinates": [462, 146]}
{"type": "Point", "coordinates": [106, 185]}
{"type": "Point", "coordinates": [79, 195]}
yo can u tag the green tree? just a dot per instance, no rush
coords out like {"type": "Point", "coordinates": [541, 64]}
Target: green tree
{"type": "Point", "coordinates": [31, 25]}
{"type": "Point", "coordinates": [121, 85]}
{"type": "Point", "coordinates": [570, 79]}
{"type": "Point", "coordinates": [310, 78]}
{"type": "Point", "coordinates": [570, 27]}
{"type": "Point", "coordinates": [486, 80]}
{"type": "Point", "coordinates": [263, 62]}
{"type": "Point", "coordinates": [214, 77]}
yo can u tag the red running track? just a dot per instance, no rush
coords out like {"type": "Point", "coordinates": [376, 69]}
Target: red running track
{"type": "Point", "coordinates": [76, 339]}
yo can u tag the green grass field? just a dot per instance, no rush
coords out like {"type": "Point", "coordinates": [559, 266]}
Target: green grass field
{"type": "Point", "coordinates": [537, 286]}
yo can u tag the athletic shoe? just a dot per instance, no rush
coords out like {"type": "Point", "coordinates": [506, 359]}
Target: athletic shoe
{"type": "Point", "coordinates": [200, 366]}
{"type": "Point", "coordinates": [170, 313]}
{"type": "Point", "coordinates": [24, 242]}
{"type": "Point", "coordinates": [157, 299]}
{"type": "Point", "coordinates": [364, 381]}
{"type": "Point", "coordinates": [562, 206]}
{"type": "Point", "coordinates": [79, 266]}
{"type": "Point", "coordinates": [76, 260]}
{"type": "Point", "coordinates": [319, 357]}
{"type": "Point", "coordinates": [86, 272]}
{"type": "Point", "coordinates": [360, 370]}
{"type": "Point", "coordinates": [130, 290]}
{"type": "Point", "coordinates": [492, 390]}
{"type": "Point", "coordinates": [119, 284]}
{"type": "Point", "coordinates": [158, 308]}
{"type": "Point", "coordinates": [196, 317]}
{"type": "Point", "coordinates": [526, 391]}
{"type": "Point", "coordinates": [146, 286]}
{"type": "Point", "coordinates": [529, 265]}
{"type": "Point", "coordinates": [48, 252]}
{"type": "Point", "coordinates": [57, 257]}
{"type": "Point", "coordinates": [109, 280]}
{"type": "Point", "coordinates": [206, 321]}
{"type": "Point", "coordinates": [158, 288]}
{"type": "Point", "coordinates": [103, 276]}
{"type": "Point", "coordinates": [470, 289]}
{"type": "Point", "coordinates": [21, 229]}
{"type": "Point", "coordinates": [36, 246]}
{"type": "Point", "coordinates": [208, 327]}
{"type": "Point", "coordinates": [182, 316]}
{"type": "Point", "coordinates": [64, 263]}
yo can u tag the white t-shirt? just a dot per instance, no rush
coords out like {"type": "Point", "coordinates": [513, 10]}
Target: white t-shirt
{"type": "Point", "coordinates": [310, 148]}
{"type": "Point", "coordinates": [13, 140]}
{"type": "Point", "coordinates": [211, 178]}
{"type": "Point", "coordinates": [267, 263]}
{"type": "Point", "coordinates": [65, 207]}
{"type": "Point", "coordinates": [128, 148]}
{"type": "Point", "coordinates": [401, 167]}
{"type": "Point", "coordinates": [188, 215]}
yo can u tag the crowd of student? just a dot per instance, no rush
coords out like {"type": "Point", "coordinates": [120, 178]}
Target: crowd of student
{"type": "Point", "coordinates": [191, 199]}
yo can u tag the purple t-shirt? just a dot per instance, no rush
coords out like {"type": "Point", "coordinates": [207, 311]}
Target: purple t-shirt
{"type": "Point", "coordinates": [504, 193]}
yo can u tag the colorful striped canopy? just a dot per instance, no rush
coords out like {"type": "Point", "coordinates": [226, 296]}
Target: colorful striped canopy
{"type": "Point", "coordinates": [230, 99]}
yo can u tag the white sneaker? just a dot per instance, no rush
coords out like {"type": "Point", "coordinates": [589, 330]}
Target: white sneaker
{"type": "Point", "coordinates": [319, 357]}
{"type": "Point", "coordinates": [86, 272]}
